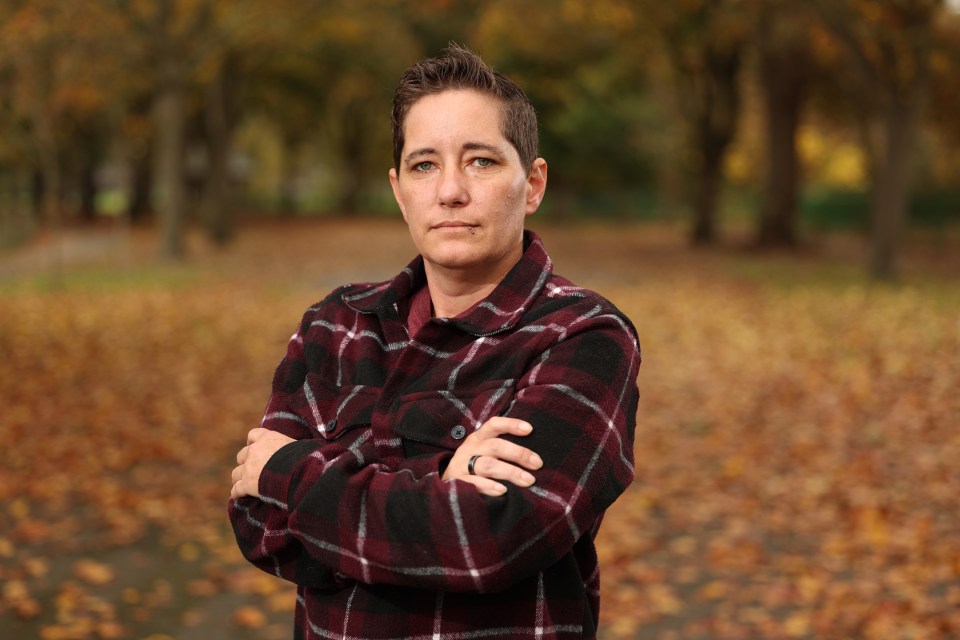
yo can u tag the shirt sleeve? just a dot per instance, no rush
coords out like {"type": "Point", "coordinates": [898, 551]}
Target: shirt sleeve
{"type": "Point", "coordinates": [259, 525]}
{"type": "Point", "coordinates": [369, 523]}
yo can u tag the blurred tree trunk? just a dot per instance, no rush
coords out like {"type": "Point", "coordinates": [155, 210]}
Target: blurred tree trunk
{"type": "Point", "coordinates": [139, 207]}
{"type": "Point", "coordinates": [715, 99]}
{"type": "Point", "coordinates": [891, 190]}
{"type": "Point", "coordinates": [173, 31]}
{"type": "Point", "coordinates": [170, 123]}
{"type": "Point", "coordinates": [708, 188]}
{"type": "Point", "coordinates": [784, 70]}
{"type": "Point", "coordinates": [290, 166]}
{"type": "Point", "coordinates": [45, 143]}
{"type": "Point", "coordinates": [88, 184]}
{"type": "Point", "coordinates": [36, 195]}
{"type": "Point", "coordinates": [891, 46]}
{"type": "Point", "coordinates": [222, 114]}
{"type": "Point", "coordinates": [352, 143]}
{"type": "Point", "coordinates": [705, 42]}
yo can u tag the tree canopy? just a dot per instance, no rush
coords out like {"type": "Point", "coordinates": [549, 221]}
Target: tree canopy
{"type": "Point", "coordinates": [193, 109]}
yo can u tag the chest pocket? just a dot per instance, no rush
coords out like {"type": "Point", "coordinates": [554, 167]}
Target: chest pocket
{"type": "Point", "coordinates": [433, 421]}
{"type": "Point", "coordinates": [345, 408]}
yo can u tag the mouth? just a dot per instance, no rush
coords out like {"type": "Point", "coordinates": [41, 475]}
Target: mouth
{"type": "Point", "coordinates": [455, 225]}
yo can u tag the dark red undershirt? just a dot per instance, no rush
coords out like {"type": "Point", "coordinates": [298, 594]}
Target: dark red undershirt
{"type": "Point", "coordinates": [420, 312]}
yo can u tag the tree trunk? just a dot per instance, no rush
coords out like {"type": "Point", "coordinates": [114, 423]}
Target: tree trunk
{"type": "Point", "coordinates": [891, 192]}
{"type": "Point", "coordinates": [708, 189]}
{"type": "Point", "coordinates": [783, 64]}
{"type": "Point", "coordinates": [88, 188]}
{"type": "Point", "coordinates": [717, 94]}
{"type": "Point", "coordinates": [170, 129]}
{"type": "Point", "coordinates": [171, 195]}
{"type": "Point", "coordinates": [290, 166]}
{"type": "Point", "coordinates": [49, 170]}
{"type": "Point", "coordinates": [353, 178]}
{"type": "Point", "coordinates": [221, 116]}
{"type": "Point", "coordinates": [139, 207]}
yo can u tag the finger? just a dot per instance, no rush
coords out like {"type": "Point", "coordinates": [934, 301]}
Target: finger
{"type": "Point", "coordinates": [494, 469]}
{"type": "Point", "coordinates": [242, 454]}
{"type": "Point", "coordinates": [255, 434]}
{"type": "Point", "coordinates": [499, 425]}
{"type": "Point", "coordinates": [511, 452]}
{"type": "Point", "coordinates": [486, 486]}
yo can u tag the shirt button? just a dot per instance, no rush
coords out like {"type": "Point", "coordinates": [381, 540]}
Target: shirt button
{"type": "Point", "coordinates": [458, 432]}
{"type": "Point", "coordinates": [330, 426]}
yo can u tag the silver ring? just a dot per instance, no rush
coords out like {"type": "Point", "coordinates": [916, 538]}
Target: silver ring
{"type": "Point", "coordinates": [473, 460]}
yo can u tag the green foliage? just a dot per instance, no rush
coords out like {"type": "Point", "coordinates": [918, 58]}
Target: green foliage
{"type": "Point", "coordinates": [837, 209]}
{"type": "Point", "coordinates": [617, 84]}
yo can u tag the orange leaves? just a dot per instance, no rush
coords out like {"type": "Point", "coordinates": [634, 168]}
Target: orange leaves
{"type": "Point", "coordinates": [796, 443]}
{"type": "Point", "coordinates": [93, 572]}
{"type": "Point", "coordinates": [249, 617]}
{"type": "Point", "coordinates": [804, 439]}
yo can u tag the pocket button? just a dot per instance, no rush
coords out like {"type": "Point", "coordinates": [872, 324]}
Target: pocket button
{"type": "Point", "coordinates": [458, 432]}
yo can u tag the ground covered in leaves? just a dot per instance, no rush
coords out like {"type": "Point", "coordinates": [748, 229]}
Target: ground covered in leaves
{"type": "Point", "coordinates": [797, 441]}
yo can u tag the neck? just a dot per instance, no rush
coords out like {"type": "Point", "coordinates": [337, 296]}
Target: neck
{"type": "Point", "coordinates": [454, 290]}
{"type": "Point", "coordinates": [453, 296]}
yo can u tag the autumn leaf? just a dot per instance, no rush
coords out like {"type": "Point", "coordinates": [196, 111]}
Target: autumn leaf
{"type": "Point", "coordinates": [795, 442]}
{"type": "Point", "coordinates": [249, 617]}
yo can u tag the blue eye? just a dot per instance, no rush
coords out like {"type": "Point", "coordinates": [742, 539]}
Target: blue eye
{"type": "Point", "coordinates": [423, 166]}
{"type": "Point", "coordinates": [483, 162]}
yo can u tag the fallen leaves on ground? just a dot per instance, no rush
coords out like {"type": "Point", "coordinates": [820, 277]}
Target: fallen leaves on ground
{"type": "Point", "coordinates": [796, 443]}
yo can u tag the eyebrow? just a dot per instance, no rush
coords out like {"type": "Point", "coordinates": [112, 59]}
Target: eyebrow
{"type": "Point", "coordinates": [467, 146]}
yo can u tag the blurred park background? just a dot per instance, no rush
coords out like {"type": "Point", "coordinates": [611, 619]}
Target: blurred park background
{"type": "Point", "coordinates": [770, 189]}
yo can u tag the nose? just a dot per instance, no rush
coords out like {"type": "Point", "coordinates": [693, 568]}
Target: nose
{"type": "Point", "coordinates": [452, 189]}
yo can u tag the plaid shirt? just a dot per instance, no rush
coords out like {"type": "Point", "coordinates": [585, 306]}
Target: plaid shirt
{"type": "Point", "coordinates": [355, 512]}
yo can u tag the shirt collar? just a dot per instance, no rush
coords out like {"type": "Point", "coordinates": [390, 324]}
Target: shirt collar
{"type": "Point", "coordinates": [499, 311]}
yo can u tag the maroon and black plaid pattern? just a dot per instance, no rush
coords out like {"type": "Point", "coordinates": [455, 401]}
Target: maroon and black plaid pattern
{"type": "Point", "coordinates": [355, 512]}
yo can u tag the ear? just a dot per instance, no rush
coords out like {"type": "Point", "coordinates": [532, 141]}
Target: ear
{"type": "Point", "coordinates": [395, 185]}
{"type": "Point", "coordinates": [536, 185]}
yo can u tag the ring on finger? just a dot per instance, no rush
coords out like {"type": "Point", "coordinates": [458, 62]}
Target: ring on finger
{"type": "Point", "coordinates": [473, 461]}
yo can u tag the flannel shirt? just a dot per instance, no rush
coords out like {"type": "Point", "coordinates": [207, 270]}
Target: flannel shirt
{"type": "Point", "coordinates": [355, 512]}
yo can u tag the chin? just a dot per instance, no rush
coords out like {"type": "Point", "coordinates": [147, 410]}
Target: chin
{"type": "Point", "coordinates": [453, 254]}
{"type": "Point", "coordinates": [455, 262]}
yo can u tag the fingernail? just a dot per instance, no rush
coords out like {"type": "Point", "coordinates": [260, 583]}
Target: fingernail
{"type": "Point", "coordinates": [537, 461]}
{"type": "Point", "coordinates": [526, 427]}
{"type": "Point", "coordinates": [500, 489]}
{"type": "Point", "coordinates": [527, 479]}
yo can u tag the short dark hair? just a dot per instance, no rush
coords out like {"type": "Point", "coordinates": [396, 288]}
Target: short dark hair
{"type": "Point", "coordinates": [460, 68]}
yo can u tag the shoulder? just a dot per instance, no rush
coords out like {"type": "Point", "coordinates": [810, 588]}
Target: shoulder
{"type": "Point", "coordinates": [578, 309]}
{"type": "Point", "coordinates": [341, 302]}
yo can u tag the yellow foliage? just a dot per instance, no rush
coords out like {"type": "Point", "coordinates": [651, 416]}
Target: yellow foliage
{"type": "Point", "coordinates": [831, 160]}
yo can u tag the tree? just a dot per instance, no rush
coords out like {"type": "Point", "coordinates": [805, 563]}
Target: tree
{"type": "Point", "coordinates": [591, 95]}
{"type": "Point", "coordinates": [705, 41]}
{"type": "Point", "coordinates": [35, 46]}
{"type": "Point", "coordinates": [890, 43]}
{"type": "Point", "coordinates": [784, 69]}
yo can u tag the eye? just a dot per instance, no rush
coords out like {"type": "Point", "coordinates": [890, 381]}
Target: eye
{"type": "Point", "coordinates": [483, 163]}
{"type": "Point", "coordinates": [423, 166]}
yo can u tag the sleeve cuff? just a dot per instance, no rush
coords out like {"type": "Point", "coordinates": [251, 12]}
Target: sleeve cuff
{"type": "Point", "coordinates": [280, 471]}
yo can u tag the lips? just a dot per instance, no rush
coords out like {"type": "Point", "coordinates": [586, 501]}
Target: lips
{"type": "Point", "coordinates": [454, 224]}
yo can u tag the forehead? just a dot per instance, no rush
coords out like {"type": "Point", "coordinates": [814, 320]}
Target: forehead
{"type": "Point", "coordinates": [455, 111]}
